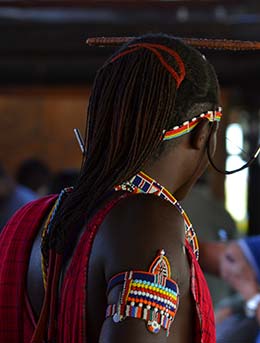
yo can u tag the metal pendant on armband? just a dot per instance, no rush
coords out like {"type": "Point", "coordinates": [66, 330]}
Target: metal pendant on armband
{"type": "Point", "coordinates": [152, 296]}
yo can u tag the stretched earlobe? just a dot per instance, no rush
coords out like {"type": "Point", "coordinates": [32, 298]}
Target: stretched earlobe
{"type": "Point", "coordinates": [199, 136]}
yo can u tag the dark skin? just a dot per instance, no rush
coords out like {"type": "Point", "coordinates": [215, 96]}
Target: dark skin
{"type": "Point", "coordinates": [210, 256]}
{"type": "Point", "coordinates": [124, 250]}
{"type": "Point", "coordinates": [129, 239]}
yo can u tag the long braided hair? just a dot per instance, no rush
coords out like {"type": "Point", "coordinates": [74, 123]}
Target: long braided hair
{"type": "Point", "coordinates": [134, 98]}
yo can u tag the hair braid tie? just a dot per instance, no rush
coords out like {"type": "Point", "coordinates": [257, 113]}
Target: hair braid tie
{"type": "Point", "coordinates": [154, 48]}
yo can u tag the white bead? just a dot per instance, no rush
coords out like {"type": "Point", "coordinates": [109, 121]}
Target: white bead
{"type": "Point", "coordinates": [162, 252]}
{"type": "Point", "coordinates": [116, 318]}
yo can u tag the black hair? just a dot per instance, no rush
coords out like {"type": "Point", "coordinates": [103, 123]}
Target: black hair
{"type": "Point", "coordinates": [134, 98]}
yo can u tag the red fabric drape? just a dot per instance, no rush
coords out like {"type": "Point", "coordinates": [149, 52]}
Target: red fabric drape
{"type": "Point", "coordinates": [16, 240]}
{"type": "Point", "coordinates": [205, 323]}
{"type": "Point", "coordinates": [16, 322]}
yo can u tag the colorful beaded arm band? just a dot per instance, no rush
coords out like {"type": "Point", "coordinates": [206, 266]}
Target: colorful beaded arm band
{"type": "Point", "coordinates": [188, 125]}
{"type": "Point", "coordinates": [151, 296]}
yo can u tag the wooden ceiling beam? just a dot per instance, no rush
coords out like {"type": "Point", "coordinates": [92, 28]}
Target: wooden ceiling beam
{"type": "Point", "coordinates": [140, 4]}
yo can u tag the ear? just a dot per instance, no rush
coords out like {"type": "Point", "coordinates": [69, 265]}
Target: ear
{"type": "Point", "coordinates": [199, 136]}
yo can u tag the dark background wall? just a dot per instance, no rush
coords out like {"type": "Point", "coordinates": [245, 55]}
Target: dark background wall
{"type": "Point", "coordinates": [46, 69]}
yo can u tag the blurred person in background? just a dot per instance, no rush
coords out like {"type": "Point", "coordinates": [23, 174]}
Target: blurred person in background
{"type": "Point", "coordinates": [213, 223]}
{"type": "Point", "coordinates": [240, 267]}
{"type": "Point", "coordinates": [216, 229]}
{"type": "Point", "coordinates": [34, 174]}
{"type": "Point", "coordinates": [12, 196]}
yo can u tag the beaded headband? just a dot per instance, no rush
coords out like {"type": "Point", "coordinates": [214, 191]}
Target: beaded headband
{"type": "Point", "coordinates": [177, 131]}
{"type": "Point", "coordinates": [189, 125]}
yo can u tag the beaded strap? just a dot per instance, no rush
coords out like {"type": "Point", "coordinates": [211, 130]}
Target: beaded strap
{"type": "Point", "coordinates": [142, 183]}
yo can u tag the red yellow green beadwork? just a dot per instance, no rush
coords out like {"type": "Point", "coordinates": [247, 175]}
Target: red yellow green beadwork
{"type": "Point", "coordinates": [152, 296]}
{"type": "Point", "coordinates": [189, 125]}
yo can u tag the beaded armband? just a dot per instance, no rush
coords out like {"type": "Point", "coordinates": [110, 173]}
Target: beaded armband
{"type": "Point", "coordinates": [152, 296]}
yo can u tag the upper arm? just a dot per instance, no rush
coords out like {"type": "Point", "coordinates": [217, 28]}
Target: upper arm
{"type": "Point", "coordinates": [133, 233]}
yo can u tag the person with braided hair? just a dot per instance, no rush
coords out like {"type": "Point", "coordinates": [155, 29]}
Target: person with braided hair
{"type": "Point", "coordinates": [116, 258]}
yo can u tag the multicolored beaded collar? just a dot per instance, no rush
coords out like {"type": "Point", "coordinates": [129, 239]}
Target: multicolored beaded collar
{"type": "Point", "coordinates": [189, 125]}
{"type": "Point", "coordinates": [142, 183]}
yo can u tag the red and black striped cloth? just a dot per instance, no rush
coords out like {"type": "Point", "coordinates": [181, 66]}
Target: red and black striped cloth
{"type": "Point", "coordinates": [17, 324]}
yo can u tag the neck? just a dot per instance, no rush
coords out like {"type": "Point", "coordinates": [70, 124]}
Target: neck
{"type": "Point", "coordinates": [170, 172]}
{"type": "Point", "coordinates": [164, 177]}
{"type": "Point", "coordinates": [173, 170]}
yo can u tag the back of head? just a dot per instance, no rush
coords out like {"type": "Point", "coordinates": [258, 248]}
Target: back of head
{"type": "Point", "coordinates": [144, 73]}
{"type": "Point", "coordinates": [135, 97]}
{"type": "Point", "coordinates": [150, 85]}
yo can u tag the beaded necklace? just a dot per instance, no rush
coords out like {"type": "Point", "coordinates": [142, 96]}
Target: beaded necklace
{"type": "Point", "coordinates": [142, 183]}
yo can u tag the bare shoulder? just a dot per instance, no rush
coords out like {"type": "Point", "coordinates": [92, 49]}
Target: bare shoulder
{"type": "Point", "coordinates": [136, 229]}
{"type": "Point", "coordinates": [129, 240]}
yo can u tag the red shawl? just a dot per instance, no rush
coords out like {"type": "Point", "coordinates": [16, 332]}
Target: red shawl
{"type": "Point", "coordinates": [16, 240]}
{"type": "Point", "coordinates": [16, 322]}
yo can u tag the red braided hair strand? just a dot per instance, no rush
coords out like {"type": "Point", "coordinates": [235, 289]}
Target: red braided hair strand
{"type": "Point", "coordinates": [154, 48]}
